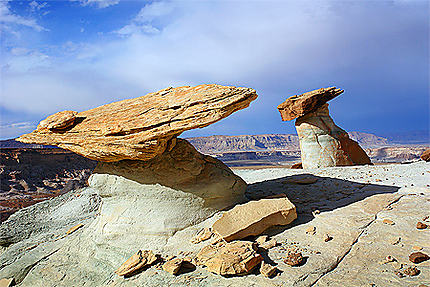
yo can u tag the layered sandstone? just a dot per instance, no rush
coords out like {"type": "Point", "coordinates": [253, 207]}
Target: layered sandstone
{"type": "Point", "coordinates": [139, 128]}
{"type": "Point", "coordinates": [322, 143]}
{"type": "Point", "coordinates": [253, 217]}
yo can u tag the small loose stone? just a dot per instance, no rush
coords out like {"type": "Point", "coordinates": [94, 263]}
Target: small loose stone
{"type": "Point", "coordinates": [311, 230]}
{"type": "Point", "coordinates": [294, 259]}
{"type": "Point", "coordinates": [388, 221]}
{"type": "Point", "coordinates": [417, 248]}
{"type": "Point", "coordinates": [418, 257]}
{"type": "Point", "coordinates": [421, 225]}
{"type": "Point", "coordinates": [327, 238]}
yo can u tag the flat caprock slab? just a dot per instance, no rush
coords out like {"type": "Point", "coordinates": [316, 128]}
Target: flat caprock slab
{"type": "Point", "coordinates": [299, 105]}
{"type": "Point", "coordinates": [140, 128]}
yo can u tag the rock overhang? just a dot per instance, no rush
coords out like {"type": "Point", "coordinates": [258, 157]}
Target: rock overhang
{"type": "Point", "coordinates": [143, 127]}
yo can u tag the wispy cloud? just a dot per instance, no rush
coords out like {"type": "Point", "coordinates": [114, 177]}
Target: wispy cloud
{"type": "Point", "coordinates": [98, 3]}
{"type": "Point", "coordinates": [8, 19]}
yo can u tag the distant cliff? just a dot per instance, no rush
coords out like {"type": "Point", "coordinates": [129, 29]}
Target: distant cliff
{"type": "Point", "coordinates": [279, 142]}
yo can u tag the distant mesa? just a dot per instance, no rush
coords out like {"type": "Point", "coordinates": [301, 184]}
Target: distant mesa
{"type": "Point", "coordinates": [322, 143]}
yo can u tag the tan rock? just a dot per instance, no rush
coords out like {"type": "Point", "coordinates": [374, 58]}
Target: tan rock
{"type": "Point", "coordinates": [311, 230]}
{"type": "Point", "coordinates": [297, 166]}
{"type": "Point", "coordinates": [269, 244]}
{"type": "Point", "coordinates": [267, 270]}
{"type": "Point", "coordinates": [426, 155]}
{"type": "Point", "coordinates": [261, 239]}
{"type": "Point", "coordinates": [294, 259]}
{"type": "Point", "coordinates": [202, 235]}
{"type": "Point", "coordinates": [234, 258]}
{"type": "Point", "coordinates": [74, 228]}
{"type": "Point", "coordinates": [140, 128]}
{"type": "Point", "coordinates": [6, 282]}
{"type": "Point", "coordinates": [173, 266]}
{"type": "Point", "coordinates": [388, 221]}
{"type": "Point", "coordinates": [59, 121]}
{"type": "Point", "coordinates": [299, 105]}
{"type": "Point", "coordinates": [136, 262]}
{"type": "Point", "coordinates": [252, 218]}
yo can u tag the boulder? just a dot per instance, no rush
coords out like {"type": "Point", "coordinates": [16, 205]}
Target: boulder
{"type": "Point", "coordinates": [426, 155]}
{"type": "Point", "coordinates": [324, 144]}
{"type": "Point", "coordinates": [139, 128]}
{"type": "Point", "coordinates": [300, 105]}
{"type": "Point", "coordinates": [252, 218]}
{"type": "Point", "coordinates": [234, 258]}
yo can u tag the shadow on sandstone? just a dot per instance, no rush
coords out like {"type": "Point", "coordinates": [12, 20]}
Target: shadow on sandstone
{"type": "Point", "coordinates": [313, 194]}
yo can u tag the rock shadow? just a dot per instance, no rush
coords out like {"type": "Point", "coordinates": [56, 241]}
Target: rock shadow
{"type": "Point", "coordinates": [312, 194]}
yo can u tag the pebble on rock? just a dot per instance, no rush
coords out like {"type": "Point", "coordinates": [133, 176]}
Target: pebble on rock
{"type": "Point", "coordinates": [421, 225]}
{"type": "Point", "coordinates": [388, 221]}
{"type": "Point", "coordinates": [418, 257]}
{"type": "Point", "coordinates": [411, 271]}
{"type": "Point", "coordinates": [294, 259]}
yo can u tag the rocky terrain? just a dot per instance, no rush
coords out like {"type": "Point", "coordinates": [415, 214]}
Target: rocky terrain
{"type": "Point", "coordinates": [356, 226]}
{"type": "Point", "coordinates": [31, 175]}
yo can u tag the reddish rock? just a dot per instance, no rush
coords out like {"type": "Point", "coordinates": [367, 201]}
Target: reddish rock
{"type": "Point", "coordinates": [299, 105]}
{"type": "Point", "coordinates": [411, 271]}
{"type": "Point", "coordinates": [418, 257]}
{"type": "Point", "coordinates": [426, 155]}
{"type": "Point", "coordinates": [297, 166]}
{"type": "Point", "coordinates": [58, 121]}
{"type": "Point", "coordinates": [294, 259]}
{"type": "Point", "coordinates": [421, 225]}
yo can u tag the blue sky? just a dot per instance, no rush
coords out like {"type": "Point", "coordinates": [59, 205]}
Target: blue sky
{"type": "Point", "coordinates": [75, 55]}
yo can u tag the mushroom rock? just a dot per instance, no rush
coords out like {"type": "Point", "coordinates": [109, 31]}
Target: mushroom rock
{"type": "Point", "coordinates": [139, 128]}
{"type": "Point", "coordinates": [152, 184]}
{"type": "Point", "coordinates": [322, 143]}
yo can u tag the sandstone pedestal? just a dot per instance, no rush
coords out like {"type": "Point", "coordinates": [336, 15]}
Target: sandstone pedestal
{"type": "Point", "coordinates": [324, 144]}
{"type": "Point", "coordinates": [145, 203]}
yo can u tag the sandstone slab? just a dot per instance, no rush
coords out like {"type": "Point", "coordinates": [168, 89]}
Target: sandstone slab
{"type": "Point", "coordinates": [234, 258]}
{"type": "Point", "coordinates": [139, 128]}
{"type": "Point", "coordinates": [300, 105]}
{"type": "Point", "coordinates": [426, 155]}
{"type": "Point", "coordinates": [252, 218]}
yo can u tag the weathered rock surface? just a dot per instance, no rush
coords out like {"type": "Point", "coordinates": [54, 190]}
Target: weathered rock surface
{"type": "Point", "coordinates": [426, 155]}
{"type": "Point", "coordinates": [267, 270]}
{"type": "Point", "coordinates": [177, 265]}
{"type": "Point", "coordinates": [300, 105]}
{"type": "Point", "coordinates": [253, 217]}
{"type": "Point", "coordinates": [58, 121]}
{"type": "Point", "coordinates": [353, 202]}
{"type": "Point", "coordinates": [136, 262]}
{"type": "Point", "coordinates": [140, 128]}
{"type": "Point", "coordinates": [324, 144]}
{"type": "Point", "coordinates": [234, 258]}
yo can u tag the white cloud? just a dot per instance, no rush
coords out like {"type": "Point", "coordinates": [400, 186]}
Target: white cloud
{"type": "Point", "coordinates": [35, 6]}
{"type": "Point", "coordinates": [279, 48]}
{"type": "Point", "coordinates": [98, 3]}
{"type": "Point", "coordinates": [14, 129]}
{"type": "Point", "coordinates": [8, 19]}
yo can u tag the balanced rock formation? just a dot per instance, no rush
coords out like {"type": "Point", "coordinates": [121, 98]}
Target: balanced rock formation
{"type": "Point", "coordinates": [152, 184]}
{"type": "Point", "coordinates": [139, 128]}
{"type": "Point", "coordinates": [322, 143]}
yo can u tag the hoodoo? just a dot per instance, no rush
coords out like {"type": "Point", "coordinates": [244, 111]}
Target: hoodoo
{"type": "Point", "coordinates": [152, 184]}
{"type": "Point", "coordinates": [322, 142]}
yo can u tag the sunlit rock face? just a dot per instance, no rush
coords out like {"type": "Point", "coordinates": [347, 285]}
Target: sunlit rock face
{"type": "Point", "coordinates": [323, 143]}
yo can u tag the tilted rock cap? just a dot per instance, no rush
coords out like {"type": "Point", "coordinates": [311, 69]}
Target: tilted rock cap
{"type": "Point", "coordinates": [299, 105]}
{"type": "Point", "coordinates": [140, 128]}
